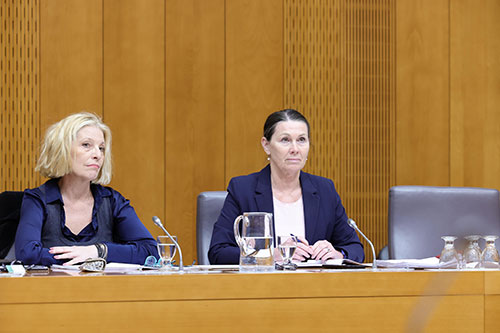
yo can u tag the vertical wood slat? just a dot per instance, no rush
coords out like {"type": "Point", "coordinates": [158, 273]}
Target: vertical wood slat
{"type": "Point", "coordinates": [194, 112]}
{"type": "Point", "coordinates": [133, 82]}
{"type": "Point", "coordinates": [423, 104]}
{"type": "Point", "coordinates": [338, 62]}
{"type": "Point", "coordinates": [71, 65]}
{"type": "Point", "coordinates": [19, 93]}
{"type": "Point", "coordinates": [475, 93]}
{"type": "Point", "coordinates": [254, 80]}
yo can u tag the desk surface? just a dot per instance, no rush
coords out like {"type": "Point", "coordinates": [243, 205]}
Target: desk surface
{"type": "Point", "coordinates": [344, 300]}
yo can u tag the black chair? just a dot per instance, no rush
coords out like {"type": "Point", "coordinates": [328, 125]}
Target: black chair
{"type": "Point", "coordinates": [10, 209]}
{"type": "Point", "coordinates": [208, 209]}
{"type": "Point", "coordinates": [420, 215]}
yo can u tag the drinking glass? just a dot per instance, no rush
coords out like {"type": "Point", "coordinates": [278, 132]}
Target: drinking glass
{"type": "Point", "coordinates": [489, 257]}
{"type": "Point", "coordinates": [166, 249]}
{"type": "Point", "coordinates": [472, 253]}
{"type": "Point", "coordinates": [287, 245]}
{"type": "Point", "coordinates": [449, 256]}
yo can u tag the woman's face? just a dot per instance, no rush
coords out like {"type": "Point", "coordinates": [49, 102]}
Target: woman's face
{"type": "Point", "coordinates": [289, 146]}
{"type": "Point", "coordinates": [87, 153]}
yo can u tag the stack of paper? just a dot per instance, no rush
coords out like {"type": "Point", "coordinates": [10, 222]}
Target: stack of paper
{"type": "Point", "coordinates": [426, 263]}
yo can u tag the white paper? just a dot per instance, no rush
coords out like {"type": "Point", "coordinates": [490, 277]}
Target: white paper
{"type": "Point", "coordinates": [112, 267]}
{"type": "Point", "coordinates": [426, 263]}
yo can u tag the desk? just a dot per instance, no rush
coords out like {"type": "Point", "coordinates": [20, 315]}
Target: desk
{"type": "Point", "coordinates": [345, 301]}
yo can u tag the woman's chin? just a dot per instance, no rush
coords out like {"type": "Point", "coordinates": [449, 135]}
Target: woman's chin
{"type": "Point", "coordinates": [292, 167]}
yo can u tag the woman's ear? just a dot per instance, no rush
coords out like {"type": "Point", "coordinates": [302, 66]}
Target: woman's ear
{"type": "Point", "coordinates": [265, 145]}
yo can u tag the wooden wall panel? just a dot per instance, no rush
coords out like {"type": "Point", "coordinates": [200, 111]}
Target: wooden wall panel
{"type": "Point", "coordinates": [475, 93]}
{"type": "Point", "coordinates": [254, 80]}
{"type": "Point", "coordinates": [134, 44]}
{"type": "Point", "coordinates": [71, 58]}
{"type": "Point", "coordinates": [186, 87]}
{"type": "Point", "coordinates": [339, 71]}
{"type": "Point", "coordinates": [194, 95]}
{"type": "Point", "coordinates": [19, 93]}
{"type": "Point", "coordinates": [422, 81]}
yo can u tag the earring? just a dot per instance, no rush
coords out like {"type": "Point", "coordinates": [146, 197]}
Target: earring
{"type": "Point", "coordinates": [268, 157]}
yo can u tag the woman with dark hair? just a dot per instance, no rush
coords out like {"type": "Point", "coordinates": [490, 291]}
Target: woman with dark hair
{"type": "Point", "coordinates": [302, 204]}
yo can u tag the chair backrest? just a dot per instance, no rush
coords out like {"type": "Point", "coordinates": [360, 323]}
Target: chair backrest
{"type": "Point", "coordinates": [208, 210]}
{"type": "Point", "coordinates": [10, 210]}
{"type": "Point", "coordinates": [420, 215]}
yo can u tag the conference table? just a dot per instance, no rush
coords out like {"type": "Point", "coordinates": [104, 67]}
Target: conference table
{"type": "Point", "coordinates": [208, 300]}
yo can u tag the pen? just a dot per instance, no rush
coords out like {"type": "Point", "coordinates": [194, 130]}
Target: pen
{"type": "Point", "coordinates": [298, 240]}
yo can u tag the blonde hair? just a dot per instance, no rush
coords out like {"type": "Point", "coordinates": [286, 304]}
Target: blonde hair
{"type": "Point", "coordinates": [55, 155]}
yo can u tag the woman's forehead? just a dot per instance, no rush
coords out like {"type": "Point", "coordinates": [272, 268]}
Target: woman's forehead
{"type": "Point", "coordinates": [291, 126]}
{"type": "Point", "coordinates": [90, 131]}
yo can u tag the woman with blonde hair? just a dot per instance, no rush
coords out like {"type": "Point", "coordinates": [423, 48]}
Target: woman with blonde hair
{"type": "Point", "coordinates": [72, 217]}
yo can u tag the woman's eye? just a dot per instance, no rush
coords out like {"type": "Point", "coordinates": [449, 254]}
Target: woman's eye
{"type": "Point", "coordinates": [302, 140]}
{"type": "Point", "coordinates": [284, 140]}
{"type": "Point", "coordinates": [86, 145]}
{"type": "Point", "coordinates": [101, 149]}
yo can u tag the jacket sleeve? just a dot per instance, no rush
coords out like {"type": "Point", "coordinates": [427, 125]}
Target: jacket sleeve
{"type": "Point", "coordinates": [344, 238]}
{"type": "Point", "coordinates": [133, 242]}
{"type": "Point", "coordinates": [223, 246]}
{"type": "Point", "coordinates": [29, 247]}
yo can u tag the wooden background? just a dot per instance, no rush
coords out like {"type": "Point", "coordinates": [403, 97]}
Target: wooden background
{"type": "Point", "coordinates": [397, 92]}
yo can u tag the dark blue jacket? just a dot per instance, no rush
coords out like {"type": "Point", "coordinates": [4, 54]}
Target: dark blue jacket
{"type": "Point", "coordinates": [132, 242]}
{"type": "Point", "coordinates": [325, 217]}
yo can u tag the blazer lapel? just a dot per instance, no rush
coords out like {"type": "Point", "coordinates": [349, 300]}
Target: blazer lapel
{"type": "Point", "coordinates": [310, 198]}
{"type": "Point", "coordinates": [263, 191]}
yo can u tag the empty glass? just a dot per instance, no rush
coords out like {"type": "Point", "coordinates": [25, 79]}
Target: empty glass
{"type": "Point", "coordinates": [472, 253]}
{"type": "Point", "coordinates": [449, 257]}
{"type": "Point", "coordinates": [287, 245]}
{"type": "Point", "coordinates": [489, 257]}
{"type": "Point", "coordinates": [166, 249]}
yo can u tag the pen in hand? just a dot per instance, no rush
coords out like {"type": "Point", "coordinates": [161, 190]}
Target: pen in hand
{"type": "Point", "coordinates": [301, 242]}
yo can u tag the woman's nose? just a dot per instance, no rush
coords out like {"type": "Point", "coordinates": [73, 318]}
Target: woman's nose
{"type": "Point", "coordinates": [97, 153]}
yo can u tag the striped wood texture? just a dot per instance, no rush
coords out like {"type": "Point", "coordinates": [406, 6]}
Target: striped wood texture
{"type": "Point", "coordinates": [19, 93]}
{"type": "Point", "coordinates": [398, 92]}
{"type": "Point", "coordinates": [339, 70]}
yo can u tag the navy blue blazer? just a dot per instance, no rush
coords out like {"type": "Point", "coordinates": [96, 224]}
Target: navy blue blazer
{"type": "Point", "coordinates": [324, 214]}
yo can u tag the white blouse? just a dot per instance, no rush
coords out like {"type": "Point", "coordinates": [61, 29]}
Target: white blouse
{"type": "Point", "coordinates": [289, 218]}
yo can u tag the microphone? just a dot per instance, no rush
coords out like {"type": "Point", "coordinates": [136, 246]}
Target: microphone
{"type": "Point", "coordinates": [157, 221]}
{"type": "Point", "coordinates": [353, 225]}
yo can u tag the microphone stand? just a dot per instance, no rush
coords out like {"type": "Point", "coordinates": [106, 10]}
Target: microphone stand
{"type": "Point", "coordinates": [157, 221]}
{"type": "Point", "coordinates": [353, 225]}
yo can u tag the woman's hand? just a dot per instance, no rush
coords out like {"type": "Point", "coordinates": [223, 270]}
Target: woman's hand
{"type": "Point", "coordinates": [77, 254]}
{"type": "Point", "coordinates": [324, 250]}
{"type": "Point", "coordinates": [303, 251]}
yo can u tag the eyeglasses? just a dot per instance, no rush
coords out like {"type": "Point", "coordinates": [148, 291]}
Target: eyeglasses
{"type": "Point", "coordinates": [151, 262]}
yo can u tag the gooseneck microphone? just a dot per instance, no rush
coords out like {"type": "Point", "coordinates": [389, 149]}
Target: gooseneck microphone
{"type": "Point", "coordinates": [157, 221]}
{"type": "Point", "coordinates": [353, 225]}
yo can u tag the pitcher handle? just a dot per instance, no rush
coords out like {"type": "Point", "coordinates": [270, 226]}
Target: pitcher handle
{"type": "Point", "coordinates": [237, 235]}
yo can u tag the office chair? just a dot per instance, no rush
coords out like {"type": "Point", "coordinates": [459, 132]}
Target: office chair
{"type": "Point", "coordinates": [10, 210]}
{"type": "Point", "coordinates": [209, 205]}
{"type": "Point", "coordinates": [420, 215]}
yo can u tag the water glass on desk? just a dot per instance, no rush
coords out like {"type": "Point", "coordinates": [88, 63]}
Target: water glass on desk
{"type": "Point", "coordinates": [287, 245]}
{"type": "Point", "coordinates": [489, 257]}
{"type": "Point", "coordinates": [166, 250]}
{"type": "Point", "coordinates": [449, 256]}
{"type": "Point", "coordinates": [472, 253]}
